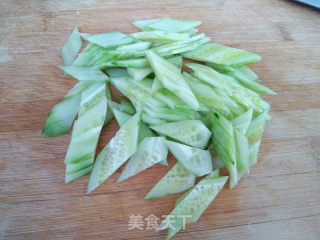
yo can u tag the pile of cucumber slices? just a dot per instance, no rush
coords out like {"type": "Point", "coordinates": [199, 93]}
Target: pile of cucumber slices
{"type": "Point", "coordinates": [207, 112]}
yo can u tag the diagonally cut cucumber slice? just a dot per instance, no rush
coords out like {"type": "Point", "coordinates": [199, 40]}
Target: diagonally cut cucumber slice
{"type": "Point", "coordinates": [191, 132]}
{"type": "Point", "coordinates": [71, 48]}
{"type": "Point", "coordinates": [176, 180]}
{"type": "Point", "coordinates": [121, 147]}
{"type": "Point", "coordinates": [150, 151]}
{"type": "Point", "coordinates": [195, 160]}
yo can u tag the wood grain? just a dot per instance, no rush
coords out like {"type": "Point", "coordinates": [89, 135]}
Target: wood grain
{"type": "Point", "coordinates": [280, 199]}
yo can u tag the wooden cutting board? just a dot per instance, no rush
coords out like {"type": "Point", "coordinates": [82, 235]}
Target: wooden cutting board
{"type": "Point", "coordinates": [280, 199]}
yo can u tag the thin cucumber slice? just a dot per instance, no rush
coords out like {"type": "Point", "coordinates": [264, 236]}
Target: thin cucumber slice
{"type": "Point", "coordinates": [90, 54]}
{"type": "Point", "coordinates": [194, 203]}
{"type": "Point", "coordinates": [128, 107]}
{"type": "Point", "coordinates": [85, 74]}
{"type": "Point", "coordinates": [121, 117]}
{"type": "Point", "coordinates": [117, 72]}
{"type": "Point", "coordinates": [243, 96]}
{"type": "Point", "coordinates": [160, 36]}
{"type": "Point", "coordinates": [137, 95]}
{"type": "Point", "coordinates": [255, 130]}
{"type": "Point", "coordinates": [181, 46]}
{"type": "Point", "coordinates": [217, 162]}
{"type": "Point", "coordinates": [140, 46]}
{"type": "Point", "coordinates": [127, 63]}
{"type": "Point", "coordinates": [220, 54]}
{"type": "Point", "coordinates": [62, 115]}
{"type": "Point", "coordinates": [241, 74]}
{"type": "Point", "coordinates": [167, 24]}
{"type": "Point", "coordinates": [224, 144]}
{"type": "Point", "coordinates": [139, 73]}
{"type": "Point", "coordinates": [150, 151]}
{"type": "Point", "coordinates": [121, 147]}
{"type": "Point", "coordinates": [156, 85]}
{"type": "Point", "coordinates": [213, 99]}
{"type": "Point", "coordinates": [86, 129]}
{"type": "Point", "coordinates": [72, 176]}
{"type": "Point", "coordinates": [71, 48]}
{"type": "Point", "coordinates": [243, 121]}
{"type": "Point", "coordinates": [172, 79]}
{"type": "Point", "coordinates": [254, 151]}
{"type": "Point", "coordinates": [108, 40]}
{"type": "Point", "coordinates": [191, 132]}
{"type": "Point", "coordinates": [242, 151]}
{"type": "Point", "coordinates": [176, 180]}
{"type": "Point", "coordinates": [196, 161]}
{"type": "Point", "coordinates": [151, 120]}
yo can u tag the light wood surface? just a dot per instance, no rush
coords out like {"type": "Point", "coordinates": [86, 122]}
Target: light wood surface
{"type": "Point", "coordinates": [280, 199]}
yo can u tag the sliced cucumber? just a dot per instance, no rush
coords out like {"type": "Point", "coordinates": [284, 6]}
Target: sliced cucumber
{"type": "Point", "coordinates": [219, 54]}
{"type": "Point", "coordinates": [86, 130]}
{"type": "Point", "coordinates": [109, 40]}
{"type": "Point", "coordinates": [121, 147]}
{"type": "Point", "coordinates": [195, 160]}
{"type": "Point", "coordinates": [194, 203]}
{"type": "Point", "coordinates": [241, 74]}
{"type": "Point", "coordinates": [71, 48]}
{"type": "Point", "coordinates": [171, 78]}
{"type": "Point", "coordinates": [128, 107]}
{"type": "Point", "coordinates": [85, 74]}
{"type": "Point", "coordinates": [137, 95]}
{"type": "Point", "coordinates": [191, 132]}
{"type": "Point", "coordinates": [160, 36]}
{"type": "Point", "coordinates": [224, 144]}
{"type": "Point", "coordinates": [243, 121]}
{"type": "Point", "coordinates": [242, 151]}
{"type": "Point", "coordinates": [62, 115]}
{"type": "Point", "coordinates": [167, 24]}
{"type": "Point", "coordinates": [117, 72]}
{"type": "Point", "coordinates": [150, 151]}
{"type": "Point", "coordinates": [176, 180]}
{"type": "Point", "coordinates": [255, 130]}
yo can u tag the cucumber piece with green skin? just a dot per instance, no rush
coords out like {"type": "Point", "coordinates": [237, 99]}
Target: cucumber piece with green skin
{"type": "Point", "coordinates": [243, 96]}
{"type": "Point", "coordinates": [140, 46]}
{"type": "Point", "coordinates": [255, 130]}
{"type": "Point", "coordinates": [128, 107]}
{"type": "Point", "coordinates": [217, 161]}
{"type": "Point", "coordinates": [224, 144]}
{"type": "Point", "coordinates": [86, 130]}
{"type": "Point", "coordinates": [242, 122]}
{"type": "Point", "coordinates": [242, 151]}
{"type": "Point", "coordinates": [71, 48]}
{"type": "Point", "coordinates": [117, 72]}
{"type": "Point", "coordinates": [172, 79]}
{"type": "Point", "coordinates": [196, 161]}
{"type": "Point", "coordinates": [140, 73]}
{"type": "Point", "coordinates": [167, 24]}
{"type": "Point", "coordinates": [121, 117]}
{"type": "Point", "coordinates": [72, 176]}
{"type": "Point", "coordinates": [182, 46]}
{"type": "Point", "coordinates": [254, 151]}
{"type": "Point", "coordinates": [177, 179]}
{"type": "Point", "coordinates": [223, 55]}
{"type": "Point", "coordinates": [121, 147]}
{"type": "Point", "coordinates": [127, 63]}
{"type": "Point", "coordinates": [88, 55]}
{"type": "Point", "coordinates": [244, 80]}
{"type": "Point", "coordinates": [137, 95]}
{"type": "Point", "coordinates": [213, 99]}
{"type": "Point", "coordinates": [62, 115]}
{"type": "Point", "coordinates": [109, 39]}
{"type": "Point", "coordinates": [194, 203]}
{"type": "Point", "coordinates": [160, 36]}
{"type": "Point", "coordinates": [85, 74]}
{"type": "Point", "coordinates": [151, 150]}
{"type": "Point", "coordinates": [151, 120]}
{"type": "Point", "coordinates": [190, 132]}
